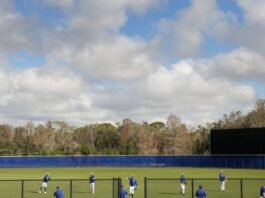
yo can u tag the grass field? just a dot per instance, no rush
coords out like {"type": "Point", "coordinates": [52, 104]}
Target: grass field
{"type": "Point", "coordinates": [155, 188]}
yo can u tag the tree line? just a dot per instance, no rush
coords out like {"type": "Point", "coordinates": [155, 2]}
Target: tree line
{"type": "Point", "coordinates": [127, 138]}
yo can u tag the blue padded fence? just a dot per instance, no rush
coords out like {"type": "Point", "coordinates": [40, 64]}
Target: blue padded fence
{"type": "Point", "coordinates": [135, 161]}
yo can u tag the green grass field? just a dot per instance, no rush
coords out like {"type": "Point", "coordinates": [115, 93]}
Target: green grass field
{"type": "Point", "coordinates": [155, 188]}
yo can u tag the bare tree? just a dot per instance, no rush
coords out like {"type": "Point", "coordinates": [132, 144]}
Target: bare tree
{"type": "Point", "coordinates": [173, 121]}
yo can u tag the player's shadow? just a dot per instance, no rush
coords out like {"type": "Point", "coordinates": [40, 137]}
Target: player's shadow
{"type": "Point", "coordinates": [81, 192]}
{"type": "Point", "coordinates": [212, 190]}
{"type": "Point", "coordinates": [33, 192]}
{"type": "Point", "coordinates": [167, 193]}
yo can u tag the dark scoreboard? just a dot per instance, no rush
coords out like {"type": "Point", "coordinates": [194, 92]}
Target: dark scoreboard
{"type": "Point", "coordinates": [238, 141]}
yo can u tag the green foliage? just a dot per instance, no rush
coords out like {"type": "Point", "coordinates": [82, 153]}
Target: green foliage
{"type": "Point", "coordinates": [88, 149]}
{"type": "Point", "coordinates": [130, 148]}
{"type": "Point", "coordinates": [158, 126]}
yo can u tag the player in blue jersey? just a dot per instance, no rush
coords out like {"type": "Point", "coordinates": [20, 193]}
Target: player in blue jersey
{"type": "Point", "coordinates": [58, 193]}
{"type": "Point", "coordinates": [182, 183]}
{"type": "Point", "coordinates": [44, 184]}
{"type": "Point", "coordinates": [133, 186]}
{"type": "Point", "coordinates": [200, 193]}
{"type": "Point", "coordinates": [262, 192]}
{"type": "Point", "coordinates": [222, 180]}
{"type": "Point", "coordinates": [92, 183]}
{"type": "Point", "coordinates": [123, 192]}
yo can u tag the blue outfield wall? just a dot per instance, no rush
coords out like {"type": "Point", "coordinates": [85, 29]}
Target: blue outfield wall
{"type": "Point", "coordinates": [257, 162]}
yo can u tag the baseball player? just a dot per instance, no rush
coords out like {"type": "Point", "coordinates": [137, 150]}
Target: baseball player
{"type": "Point", "coordinates": [123, 192]}
{"type": "Point", "coordinates": [92, 181]}
{"type": "Point", "coordinates": [58, 193]}
{"type": "Point", "coordinates": [44, 184]}
{"type": "Point", "coordinates": [182, 184]}
{"type": "Point", "coordinates": [133, 186]}
{"type": "Point", "coordinates": [262, 192]}
{"type": "Point", "coordinates": [222, 180]}
{"type": "Point", "coordinates": [200, 193]}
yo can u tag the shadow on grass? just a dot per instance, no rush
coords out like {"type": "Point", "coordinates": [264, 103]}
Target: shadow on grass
{"type": "Point", "coordinates": [82, 192]}
{"type": "Point", "coordinates": [212, 190]}
{"type": "Point", "coordinates": [167, 193]}
{"type": "Point", "coordinates": [33, 192]}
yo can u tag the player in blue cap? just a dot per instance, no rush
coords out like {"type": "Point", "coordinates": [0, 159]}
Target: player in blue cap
{"type": "Point", "coordinates": [222, 180]}
{"type": "Point", "coordinates": [262, 192]}
{"type": "Point", "coordinates": [123, 192]}
{"type": "Point", "coordinates": [133, 186]}
{"type": "Point", "coordinates": [58, 193]}
{"type": "Point", "coordinates": [182, 183]}
{"type": "Point", "coordinates": [44, 184]}
{"type": "Point", "coordinates": [200, 193]}
{"type": "Point", "coordinates": [92, 182]}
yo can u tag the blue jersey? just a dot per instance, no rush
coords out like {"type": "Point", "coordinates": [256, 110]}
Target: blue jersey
{"type": "Point", "coordinates": [200, 193]}
{"type": "Point", "coordinates": [183, 179]}
{"type": "Point", "coordinates": [222, 177]}
{"type": "Point", "coordinates": [262, 190]}
{"type": "Point", "coordinates": [132, 181]}
{"type": "Point", "coordinates": [92, 179]}
{"type": "Point", "coordinates": [123, 193]}
{"type": "Point", "coordinates": [46, 178]}
{"type": "Point", "coordinates": [58, 193]}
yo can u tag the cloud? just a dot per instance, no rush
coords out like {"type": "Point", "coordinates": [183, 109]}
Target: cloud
{"type": "Point", "coordinates": [185, 35]}
{"type": "Point", "coordinates": [93, 73]}
{"type": "Point", "coordinates": [120, 59]}
{"type": "Point", "coordinates": [50, 93]}
{"type": "Point", "coordinates": [253, 10]}
{"type": "Point", "coordinates": [109, 17]}
{"type": "Point", "coordinates": [241, 64]}
{"type": "Point", "coordinates": [249, 32]}
{"type": "Point", "coordinates": [182, 89]}
{"type": "Point", "coordinates": [37, 95]}
{"type": "Point", "coordinates": [15, 30]}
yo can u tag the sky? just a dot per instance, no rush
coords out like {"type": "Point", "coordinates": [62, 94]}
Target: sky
{"type": "Point", "coordinates": [95, 61]}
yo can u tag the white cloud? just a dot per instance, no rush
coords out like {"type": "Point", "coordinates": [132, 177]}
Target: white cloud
{"type": "Point", "coordinates": [238, 65]}
{"type": "Point", "coordinates": [48, 83]}
{"type": "Point", "coordinates": [121, 58]}
{"type": "Point", "coordinates": [242, 64]}
{"type": "Point", "coordinates": [250, 32]}
{"type": "Point", "coordinates": [99, 18]}
{"type": "Point", "coordinates": [186, 34]}
{"type": "Point", "coordinates": [15, 30]}
{"type": "Point", "coordinates": [92, 73]}
{"type": "Point", "coordinates": [3, 85]}
{"type": "Point", "coordinates": [37, 95]}
{"type": "Point", "coordinates": [184, 91]}
{"type": "Point", "coordinates": [254, 10]}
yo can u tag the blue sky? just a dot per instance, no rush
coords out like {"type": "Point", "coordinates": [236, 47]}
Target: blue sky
{"type": "Point", "coordinates": [141, 59]}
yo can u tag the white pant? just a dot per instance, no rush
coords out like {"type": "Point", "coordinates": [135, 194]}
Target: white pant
{"type": "Point", "coordinates": [44, 185]}
{"type": "Point", "coordinates": [92, 187]}
{"type": "Point", "coordinates": [132, 189]}
{"type": "Point", "coordinates": [182, 186]}
{"type": "Point", "coordinates": [222, 185]}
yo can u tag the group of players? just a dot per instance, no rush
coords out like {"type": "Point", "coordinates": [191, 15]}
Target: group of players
{"type": "Point", "coordinates": [200, 193]}
{"type": "Point", "coordinates": [92, 180]}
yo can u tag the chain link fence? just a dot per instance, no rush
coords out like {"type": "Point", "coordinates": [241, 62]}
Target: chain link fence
{"type": "Point", "coordinates": [72, 188]}
{"type": "Point", "coordinates": [235, 188]}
